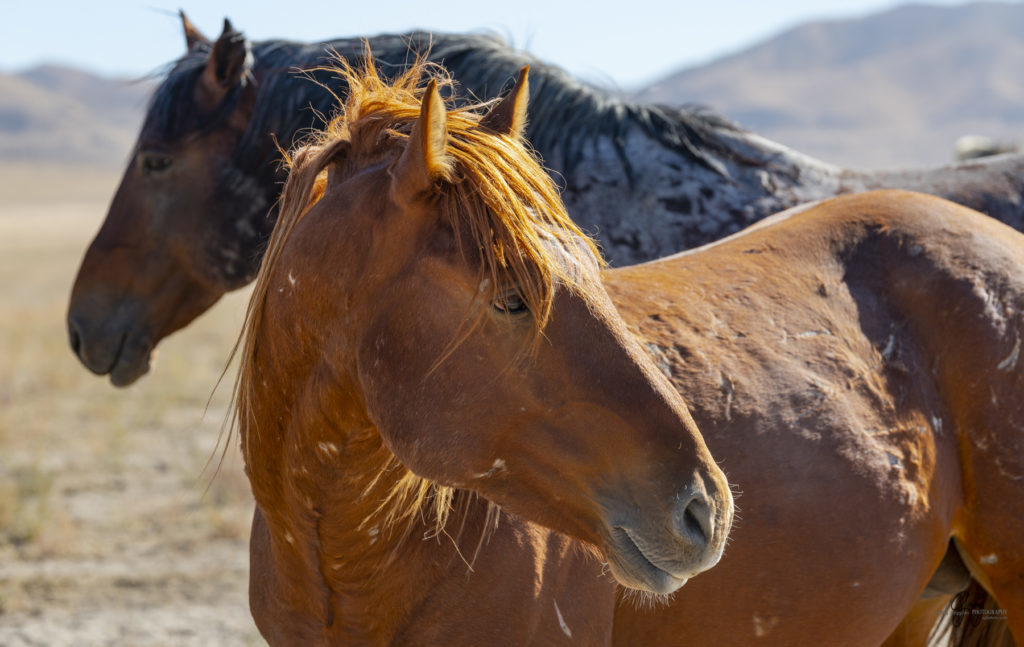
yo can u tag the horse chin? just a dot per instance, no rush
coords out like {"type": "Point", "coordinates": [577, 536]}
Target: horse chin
{"type": "Point", "coordinates": [632, 569]}
{"type": "Point", "coordinates": [134, 361]}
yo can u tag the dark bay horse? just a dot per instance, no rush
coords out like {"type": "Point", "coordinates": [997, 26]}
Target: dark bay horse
{"type": "Point", "coordinates": [430, 326]}
{"type": "Point", "coordinates": [190, 218]}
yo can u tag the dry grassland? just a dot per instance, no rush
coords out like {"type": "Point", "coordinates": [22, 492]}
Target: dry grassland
{"type": "Point", "coordinates": [111, 533]}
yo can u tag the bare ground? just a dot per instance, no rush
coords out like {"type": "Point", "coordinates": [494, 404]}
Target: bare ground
{"type": "Point", "coordinates": [111, 531]}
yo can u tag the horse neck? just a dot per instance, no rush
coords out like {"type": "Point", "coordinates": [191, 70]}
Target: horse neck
{"type": "Point", "coordinates": [283, 106]}
{"type": "Point", "coordinates": [333, 563]}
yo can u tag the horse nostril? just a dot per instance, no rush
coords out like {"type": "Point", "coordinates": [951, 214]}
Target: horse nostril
{"type": "Point", "coordinates": [694, 520]}
{"type": "Point", "coordinates": [74, 336]}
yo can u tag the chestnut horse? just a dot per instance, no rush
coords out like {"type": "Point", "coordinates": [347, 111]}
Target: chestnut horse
{"type": "Point", "coordinates": [430, 328]}
{"type": "Point", "coordinates": [854, 364]}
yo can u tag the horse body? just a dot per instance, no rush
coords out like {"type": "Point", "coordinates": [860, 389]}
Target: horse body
{"type": "Point", "coordinates": [866, 347]}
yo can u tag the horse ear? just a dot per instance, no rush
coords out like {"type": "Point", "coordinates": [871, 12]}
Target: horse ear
{"type": "Point", "coordinates": [230, 59]}
{"type": "Point", "coordinates": [508, 116]}
{"type": "Point", "coordinates": [424, 159]}
{"type": "Point", "coordinates": [193, 37]}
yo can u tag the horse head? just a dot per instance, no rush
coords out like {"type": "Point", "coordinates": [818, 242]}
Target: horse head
{"type": "Point", "coordinates": [144, 276]}
{"type": "Point", "coordinates": [425, 282]}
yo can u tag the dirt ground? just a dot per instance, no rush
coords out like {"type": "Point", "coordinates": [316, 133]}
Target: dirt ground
{"type": "Point", "coordinates": [113, 530]}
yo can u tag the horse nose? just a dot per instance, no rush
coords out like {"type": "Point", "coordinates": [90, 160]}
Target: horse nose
{"type": "Point", "coordinates": [694, 518]}
{"type": "Point", "coordinates": [75, 335]}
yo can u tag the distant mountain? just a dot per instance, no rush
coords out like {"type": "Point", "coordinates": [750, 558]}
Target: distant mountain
{"type": "Point", "coordinates": [891, 89]}
{"type": "Point", "coordinates": [59, 114]}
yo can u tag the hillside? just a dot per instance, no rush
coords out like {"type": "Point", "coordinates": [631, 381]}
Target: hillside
{"type": "Point", "coordinates": [890, 89]}
{"type": "Point", "coordinates": [58, 114]}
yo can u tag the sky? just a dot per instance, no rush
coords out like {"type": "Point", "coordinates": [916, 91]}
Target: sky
{"type": "Point", "coordinates": [620, 43]}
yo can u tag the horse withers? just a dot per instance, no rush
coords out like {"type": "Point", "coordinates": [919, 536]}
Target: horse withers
{"type": "Point", "coordinates": [428, 329]}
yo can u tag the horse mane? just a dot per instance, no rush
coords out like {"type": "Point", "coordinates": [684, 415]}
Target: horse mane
{"type": "Point", "coordinates": [567, 115]}
{"type": "Point", "coordinates": [498, 200]}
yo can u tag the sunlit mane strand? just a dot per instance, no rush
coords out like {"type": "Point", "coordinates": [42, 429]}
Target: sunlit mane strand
{"type": "Point", "coordinates": [501, 204]}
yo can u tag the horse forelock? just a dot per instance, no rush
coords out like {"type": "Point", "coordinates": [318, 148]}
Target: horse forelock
{"type": "Point", "coordinates": [499, 201]}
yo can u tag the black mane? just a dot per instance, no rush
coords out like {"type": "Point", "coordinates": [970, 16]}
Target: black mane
{"type": "Point", "coordinates": [564, 114]}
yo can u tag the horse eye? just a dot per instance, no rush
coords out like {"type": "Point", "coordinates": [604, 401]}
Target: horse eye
{"type": "Point", "coordinates": [155, 163]}
{"type": "Point", "coordinates": [510, 303]}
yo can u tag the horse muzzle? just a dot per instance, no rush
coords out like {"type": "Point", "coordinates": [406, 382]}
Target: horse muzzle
{"type": "Point", "coordinates": [659, 555]}
{"type": "Point", "coordinates": [109, 346]}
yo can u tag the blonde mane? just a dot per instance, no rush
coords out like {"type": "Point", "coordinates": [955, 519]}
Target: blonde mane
{"type": "Point", "coordinates": [502, 205]}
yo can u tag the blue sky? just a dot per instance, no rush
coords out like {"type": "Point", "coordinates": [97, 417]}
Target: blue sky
{"type": "Point", "coordinates": [624, 43]}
